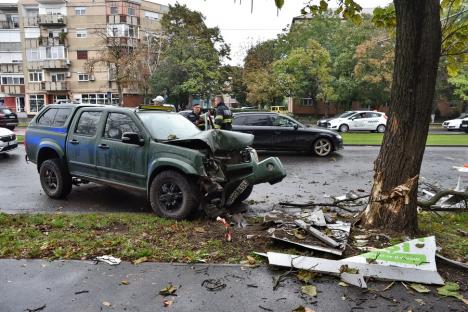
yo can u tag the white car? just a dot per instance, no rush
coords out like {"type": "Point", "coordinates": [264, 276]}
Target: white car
{"type": "Point", "coordinates": [455, 124]}
{"type": "Point", "coordinates": [7, 140]}
{"type": "Point", "coordinates": [356, 121]}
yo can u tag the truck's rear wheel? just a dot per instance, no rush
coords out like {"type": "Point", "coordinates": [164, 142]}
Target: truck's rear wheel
{"type": "Point", "coordinates": [55, 178]}
{"type": "Point", "coordinates": [172, 195]}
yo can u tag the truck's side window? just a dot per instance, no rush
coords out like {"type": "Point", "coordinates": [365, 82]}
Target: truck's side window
{"type": "Point", "coordinates": [47, 119]}
{"type": "Point", "coordinates": [117, 124]}
{"type": "Point", "coordinates": [61, 117]}
{"type": "Point", "coordinates": [87, 125]}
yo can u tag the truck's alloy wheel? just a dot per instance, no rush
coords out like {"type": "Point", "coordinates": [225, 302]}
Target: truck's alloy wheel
{"type": "Point", "coordinates": [55, 179]}
{"type": "Point", "coordinates": [172, 195]}
{"type": "Point", "coordinates": [323, 147]}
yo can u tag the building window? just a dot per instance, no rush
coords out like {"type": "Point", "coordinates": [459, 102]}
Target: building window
{"type": "Point", "coordinates": [81, 33]}
{"type": "Point", "coordinates": [79, 11]}
{"type": "Point", "coordinates": [57, 77]}
{"type": "Point", "coordinates": [153, 16]}
{"type": "Point", "coordinates": [131, 10]}
{"type": "Point", "coordinates": [100, 98]}
{"type": "Point", "coordinates": [132, 31]}
{"type": "Point", "coordinates": [307, 102]}
{"type": "Point", "coordinates": [32, 54]}
{"type": "Point", "coordinates": [35, 76]}
{"type": "Point", "coordinates": [114, 9]}
{"type": "Point", "coordinates": [82, 55]}
{"type": "Point", "coordinates": [46, 53]}
{"type": "Point", "coordinates": [36, 102]}
{"type": "Point", "coordinates": [12, 80]}
{"type": "Point", "coordinates": [83, 77]}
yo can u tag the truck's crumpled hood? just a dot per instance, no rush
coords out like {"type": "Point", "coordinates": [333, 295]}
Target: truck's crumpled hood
{"type": "Point", "coordinates": [216, 140]}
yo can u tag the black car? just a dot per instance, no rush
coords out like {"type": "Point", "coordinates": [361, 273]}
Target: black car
{"type": "Point", "coordinates": [464, 126]}
{"type": "Point", "coordinates": [8, 119]}
{"type": "Point", "coordinates": [273, 131]}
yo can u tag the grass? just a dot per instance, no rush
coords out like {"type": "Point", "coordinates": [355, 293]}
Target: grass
{"type": "Point", "coordinates": [432, 139]}
{"type": "Point", "coordinates": [20, 138]}
{"type": "Point", "coordinates": [132, 236]}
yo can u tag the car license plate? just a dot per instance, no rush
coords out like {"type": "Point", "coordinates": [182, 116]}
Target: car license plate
{"type": "Point", "coordinates": [237, 192]}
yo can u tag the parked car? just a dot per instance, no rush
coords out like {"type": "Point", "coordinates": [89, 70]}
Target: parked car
{"type": "Point", "coordinates": [162, 153]}
{"type": "Point", "coordinates": [455, 124]}
{"type": "Point", "coordinates": [8, 119]}
{"type": "Point", "coordinates": [7, 140]}
{"type": "Point", "coordinates": [356, 121]}
{"type": "Point", "coordinates": [464, 125]}
{"type": "Point", "coordinates": [273, 131]}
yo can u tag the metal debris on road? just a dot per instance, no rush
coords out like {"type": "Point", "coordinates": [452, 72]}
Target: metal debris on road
{"type": "Point", "coordinates": [108, 259]}
{"type": "Point", "coordinates": [316, 233]}
{"type": "Point", "coordinates": [213, 284]}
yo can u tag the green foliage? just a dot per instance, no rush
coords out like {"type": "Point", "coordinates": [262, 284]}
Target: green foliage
{"type": "Point", "coordinates": [460, 84]}
{"type": "Point", "coordinates": [191, 56]}
{"type": "Point", "coordinates": [305, 72]}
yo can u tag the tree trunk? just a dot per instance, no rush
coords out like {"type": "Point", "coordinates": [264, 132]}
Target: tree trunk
{"type": "Point", "coordinates": [120, 91]}
{"type": "Point", "coordinates": [393, 200]}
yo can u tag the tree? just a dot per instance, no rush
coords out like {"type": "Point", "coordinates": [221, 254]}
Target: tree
{"type": "Point", "coordinates": [393, 201]}
{"type": "Point", "coordinates": [261, 87]}
{"type": "Point", "coordinates": [305, 72]}
{"type": "Point", "coordinates": [118, 56]}
{"type": "Point", "coordinates": [191, 56]}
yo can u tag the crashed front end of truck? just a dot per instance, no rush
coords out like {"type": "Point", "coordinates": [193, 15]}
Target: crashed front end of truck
{"type": "Point", "coordinates": [230, 168]}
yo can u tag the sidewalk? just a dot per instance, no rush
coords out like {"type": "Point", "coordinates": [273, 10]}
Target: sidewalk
{"type": "Point", "coordinates": [83, 286]}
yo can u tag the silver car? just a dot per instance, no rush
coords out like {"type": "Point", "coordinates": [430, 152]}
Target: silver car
{"type": "Point", "coordinates": [7, 140]}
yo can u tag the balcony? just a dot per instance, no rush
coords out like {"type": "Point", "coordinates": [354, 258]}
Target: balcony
{"type": "Point", "coordinates": [49, 64]}
{"type": "Point", "coordinates": [52, 19]}
{"type": "Point", "coordinates": [12, 68]}
{"type": "Point", "coordinates": [54, 86]}
{"type": "Point", "coordinates": [9, 25]}
{"type": "Point", "coordinates": [16, 89]}
{"type": "Point", "coordinates": [48, 42]}
{"type": "Point", "coordinates": [31, 21]}
{"type": "Point", "coordinates": [122, 41]}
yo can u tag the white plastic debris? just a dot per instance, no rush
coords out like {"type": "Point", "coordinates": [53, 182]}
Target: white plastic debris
{"type": "Point", "coordinates": [317, 218]}
{"type": "Point", "coordinates": [108, 259]}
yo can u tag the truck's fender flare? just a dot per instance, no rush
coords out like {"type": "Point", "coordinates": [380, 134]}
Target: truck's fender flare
{"type": "Point", "coordinates": [52, 145]}
{"type": "Point", "coordinates": [164, 163]}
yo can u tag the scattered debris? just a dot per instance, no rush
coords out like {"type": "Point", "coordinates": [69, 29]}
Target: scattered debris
{"type": "Point", "coordinates": [265, 309]}
{"type": "Point", "coordinates": [302, 309]}
{"type": "Point", "coordinates": [36, 309]}
{"type": "Point", "coordinates": [108, 259]}
{"type": "Point", "coordinates": [227, 228]}
{"type": "Point", "coordinates": [81, 292]}
{"type": "Point", "coordinates": [106, 304]}
{"type": "Point", "coordinates": [317, 218]}
{"type": "Point", "coordinates": [453, 262]}
{"type": "Point", "coordinates": [343, 284]}
{"type": "Point", "coordinates": [450, 289]}
{"type": "Point", "coordinates": [140, 260]}
{"type": "Point", "coordinates": [309, 290]}
{"type": "Point", "coordinates": [401, 262]}
{"type": "Point", "coordinates": [313, 247]}
{"type": "Point", "coordinates": [213, 284]}
{"type": "Point", "coordinates": [169, 290]}
{"type": "Point", "coordinates": [167, 303]}
{"type": "Point", "coordinates": [354, 279]}
{"type": "Point", "coordinates": [420, 288]}
{"type": "Point", "coordinates": [125, 282]}
{"type": "Point", "coordinates": [316, 233]}
{"type": "Point", "coordinates": [305, 276]}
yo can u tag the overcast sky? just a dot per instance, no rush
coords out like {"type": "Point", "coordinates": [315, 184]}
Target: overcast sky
{"type": "Point", "coordinates": [240, 28]}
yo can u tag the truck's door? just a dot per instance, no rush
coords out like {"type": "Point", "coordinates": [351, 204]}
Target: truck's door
{"type": "Point", "coordinates": [81, 142]}
{"type": "Point", "coordinates": [120, 162]}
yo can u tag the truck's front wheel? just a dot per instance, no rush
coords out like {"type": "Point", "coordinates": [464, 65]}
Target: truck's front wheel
{"type": "Point", "coordinates": [55, 179]}
{"type": "Point", "coordinates": [172, 195]}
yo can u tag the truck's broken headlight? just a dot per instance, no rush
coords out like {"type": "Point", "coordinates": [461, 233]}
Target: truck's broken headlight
{"type": "Point", "coordinates": [253, 155]}
{"type": "Point", "coordinates": [210, 164]}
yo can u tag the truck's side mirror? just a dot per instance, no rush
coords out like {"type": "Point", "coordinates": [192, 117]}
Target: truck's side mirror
{"type": "Point", "coordinates": [132, 138]}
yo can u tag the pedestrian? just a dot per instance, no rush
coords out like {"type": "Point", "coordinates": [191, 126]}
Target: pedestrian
{"type": "Point", "coordinates": [196, 118]}
{"type": "Point", "coordinates": [223, 115]}
{"type": "Point", "coordinates": [158, 101]}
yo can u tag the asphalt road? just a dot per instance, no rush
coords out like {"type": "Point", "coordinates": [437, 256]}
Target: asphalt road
{"type": "Point", "coordinates": [26, 285]}
{"type": "Point", "coordinates": [308, 178]}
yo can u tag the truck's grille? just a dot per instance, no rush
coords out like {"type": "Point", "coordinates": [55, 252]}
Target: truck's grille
{"type": "Point", "coordinates": [8, 138]}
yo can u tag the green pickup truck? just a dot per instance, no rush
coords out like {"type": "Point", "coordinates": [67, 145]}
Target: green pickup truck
{"type": "Point", "coordinates": [181, 169]}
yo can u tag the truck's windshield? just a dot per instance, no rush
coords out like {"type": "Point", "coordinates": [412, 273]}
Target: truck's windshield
{"type": "Point", "coordinates": [168, 126]}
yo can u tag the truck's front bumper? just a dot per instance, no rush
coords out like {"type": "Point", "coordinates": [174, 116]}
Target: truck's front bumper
{"type": "Point", "coordinates": [270, 170]}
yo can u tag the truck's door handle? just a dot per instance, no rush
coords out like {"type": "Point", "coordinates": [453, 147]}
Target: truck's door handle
{"type": "Point", "coordinates": [74, 141]}
{"type": "Point", "coordinates": [103, 146]}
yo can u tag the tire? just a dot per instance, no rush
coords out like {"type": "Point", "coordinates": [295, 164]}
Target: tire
{"type": "Point", "coordinates": [343, 128]}
{"type": "Point", "coordinates": [381, 128]}
{"type": "Point", "coordinates": [244, 195]}
{"type": "Point", "coordinates": [55, 178]}
{"type": "Point", "coordinates": [322, 147]}
{"type": "Point", "coordinates": [173, 196]}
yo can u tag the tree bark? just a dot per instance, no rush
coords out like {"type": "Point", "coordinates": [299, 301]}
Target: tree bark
{"type": "Point", "coordinates": [393, 201]}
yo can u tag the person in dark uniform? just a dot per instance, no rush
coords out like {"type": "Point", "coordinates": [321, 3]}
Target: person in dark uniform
{"type": "Point", "coordinates": [195, 117]}
{"type": "Point", "coordinates": [223, 115]}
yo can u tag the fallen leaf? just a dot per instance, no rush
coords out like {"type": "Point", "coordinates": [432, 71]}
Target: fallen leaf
{"type": "Point", "coordinates": [420, 288]}
{"type": "Point", "coordinates": [309, 290]}
{"type": "Point", "coordinates": [302, 309]}
{"type": "Point", "coordinates": [450, 289]}
{"type": "Point", "coordinates": [465, 301]}
{"type": "Point", "coordinates": [107, 304]}
{"type": "Point", "coordinates": [343, 284]}
{"type": "Point", "coordinates": [251, 260]}
{"type": "Point", "coordinates": [167, 303]}
{"type": "Point", "coordinates": [305, 276]}
{"type": "Point", "coordinates": [168, 290]}
{"type": "Point", "coordinates": [199, 229]}
{"type": "Point", "coordinates": [140, 260]}
{"type": "Point", "coordinates": [420, 301]}
{"type": "Point", "coordinates": [298, 235]}
{"type": "Point", "coordinates": [125, 282]}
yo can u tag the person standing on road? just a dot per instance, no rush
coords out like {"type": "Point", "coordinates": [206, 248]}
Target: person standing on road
{"type": "Point", "coordinates": [196, 118]}
{"type": "Point", "coordinates": [223, 115]}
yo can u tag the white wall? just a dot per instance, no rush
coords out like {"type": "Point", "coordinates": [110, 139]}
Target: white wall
{"type": "Point", "coordinates": [10, 36]}
{"type": "Point", "coordinates": [31, 32]}
{"type": "Point", "coordinates": [9, 57]}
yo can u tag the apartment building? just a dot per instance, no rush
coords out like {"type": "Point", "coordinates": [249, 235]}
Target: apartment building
{"type": "Point", "coordinates": [58, 37]}
{"type": "Point", "coordinates": [11, 70]}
